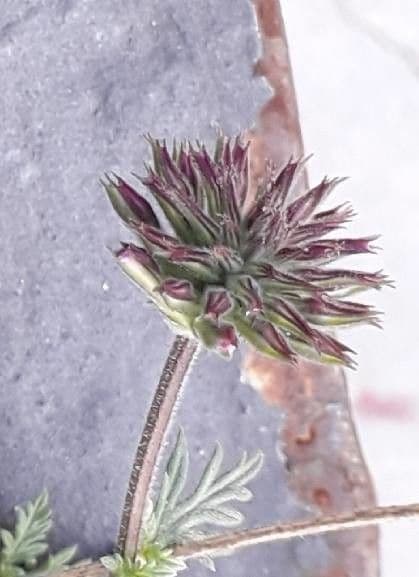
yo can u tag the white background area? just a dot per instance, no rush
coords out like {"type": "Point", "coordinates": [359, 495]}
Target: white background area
{"type": "Point", "coordinates": [356, 68]}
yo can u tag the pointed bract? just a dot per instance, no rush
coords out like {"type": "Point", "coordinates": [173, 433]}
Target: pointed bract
{"type": "Point", "coordinates": [221, 337]}
{"type": "Point", "coordinates": [217, 304]}
{"type": "Point", "coordinates": [181, 290]}
{"type": "Point", "coordinates": [130, 205]}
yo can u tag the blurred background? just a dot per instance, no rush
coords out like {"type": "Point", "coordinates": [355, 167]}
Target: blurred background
{"type": "Point", "coordinates": [82, 80]}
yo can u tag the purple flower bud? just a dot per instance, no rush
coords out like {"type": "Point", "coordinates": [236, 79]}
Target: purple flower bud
{"type": "Point", "coordinates": [302, 208]}
{"type": "Point", "coordinates": [336, 278]}
{"type": "Point", "coordinates": [187, 254]}
{"type": "Point", "coordinates": [123, 197]}
{"type": "Point", "coordinates": [291, 315]}
{"type": "Point", "coordinates": [330, 249]}
{"type": "Point", "coordinates": [251, 295]}
{"type": "Point", "coordinates": [323, 305]}
{"type": "Point", "coordinates": [205, 165]}
{"type": "Point", "coordinates": [221, 337]}
{"type": "Point", "coordinates": [269, 273]}
{"type": "Point", "coordinates": [156, 237]}
{"type": "Point", "coordinates": [338, 215]}
{"type": "Point", "coordinates": [263, 270]}
{"type": "Point", "coordinates": [274, 339]}
{"type": "Point", "coordinates": [327, 345]}
{"type": "Point", "coordinates": [139, 266]}
{"type": "Point", "coordinates": [357, 245]}
{"type": "Point", "coordinates": [181, 290]}
{"type": "Point", "coordinates": [130, 252]}
{"type": "Point", "coordinates": [180, 206]}
{"type": "Point", "coordinates": [227, 341]}
{"type": "Point", "coordinates": [217, 304]}
{"type": "Point", "coordinates": [282, 183]}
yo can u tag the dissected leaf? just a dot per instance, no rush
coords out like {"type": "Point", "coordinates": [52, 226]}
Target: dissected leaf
{"type": "Point", "coordinates": [28, 541]}
{"type": "Point", "coordinates": [55, 562]}
{"type": "Point", "coordinates": [175, 518]}
{"type": "Point", "coordinates": [209, 503]}
{"type": "Point", "coordinates": [23, 547]}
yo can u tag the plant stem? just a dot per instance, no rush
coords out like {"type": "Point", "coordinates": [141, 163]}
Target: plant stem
{"type": "Point", "coordinates": [225, 544]}
{"type": "Point", "coordinates": [173, 375]}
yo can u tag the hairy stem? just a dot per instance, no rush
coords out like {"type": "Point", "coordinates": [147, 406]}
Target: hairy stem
{"type": "Point", "coordinates": [230, 542]}
{"type": "Point", "coordinates": [225, 544]}
{"type": "Point", "coordinates": [173, 375]}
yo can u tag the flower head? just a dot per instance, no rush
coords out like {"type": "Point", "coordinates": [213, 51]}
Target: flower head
{"type": "Point", "coordinates": [222, 272]}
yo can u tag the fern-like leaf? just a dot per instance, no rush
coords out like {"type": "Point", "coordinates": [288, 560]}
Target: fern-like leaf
{"type": "Point", "coordinates": [28, 541]}
{"type": "Point", "coordinates": [55, 562]}
{"type": "Point", "coordinates": [176, 519]}
{"type": "Point", "coordinates": [22, 547]}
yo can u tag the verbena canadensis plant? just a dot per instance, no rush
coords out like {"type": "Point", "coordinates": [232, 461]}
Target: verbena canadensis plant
{"type": "Point", "coordinates": [223, 271]}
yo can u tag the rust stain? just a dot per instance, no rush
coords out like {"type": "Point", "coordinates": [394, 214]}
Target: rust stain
{"type": "Point", "coordinates": [269, 19]}
{"type": "Point", "coordinates": [322, 498]}
{"type": "Point", "coordinates": [307, 436]}
{"type": "Point", "coordinates": [277, 134]}
{"type": "Point", "coordinates": [326, 469]}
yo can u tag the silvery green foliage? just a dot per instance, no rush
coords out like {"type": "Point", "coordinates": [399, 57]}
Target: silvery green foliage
{"type": "Point", "coordinates": [175, 518]}
{"type": "Point", "coordinates": [23, 550]}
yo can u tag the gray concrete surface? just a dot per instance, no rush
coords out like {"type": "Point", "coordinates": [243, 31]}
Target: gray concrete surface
{"type": "Point", "coordinates": [79, 350]}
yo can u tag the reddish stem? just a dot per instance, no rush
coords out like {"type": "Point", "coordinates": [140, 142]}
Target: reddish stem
{"type": "Point", "coordinates": [158, 419]}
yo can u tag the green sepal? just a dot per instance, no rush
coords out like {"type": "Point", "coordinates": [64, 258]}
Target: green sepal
{"type": "Point", "coordinates": [118, 203]}
{"type": "Point", "coordinates": [141, 276]}
{"type": "Point", "coordinates": [282, 323]}
{"type": "Point", "coordinates": [192, 271]}
{"type": "Point", "coordinates": [206, 331]}
{"type": "Point", "coordinates": [177, 220]}
{"type": "Point", "coordinates": [312, 354]}
{"type": "Point", "coordinates": [341, 321]}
